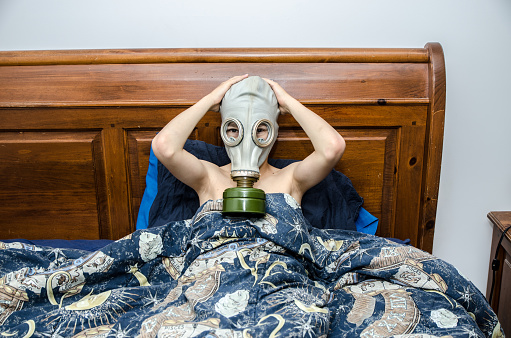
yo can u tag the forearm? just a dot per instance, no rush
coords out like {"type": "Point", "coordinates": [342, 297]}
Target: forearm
{"type": "Point", "coordinates": [328, 144]}
{"type": "Point", "coordinates": [326, 140]}
{"type": "Point", "coordinates": [172, 137]}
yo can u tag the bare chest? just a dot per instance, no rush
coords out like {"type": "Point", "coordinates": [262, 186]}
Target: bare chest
{"type": "Point", "coordinates": [271, 183]}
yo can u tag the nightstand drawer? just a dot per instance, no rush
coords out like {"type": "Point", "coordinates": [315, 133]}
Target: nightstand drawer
{"type": "Point", "coordinates": [501, 299]}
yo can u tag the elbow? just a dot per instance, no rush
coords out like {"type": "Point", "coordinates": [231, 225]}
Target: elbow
{"type": "Point", "coordinates": [161, 147]}
{"type": "Point", "coordinates": [335, 149]}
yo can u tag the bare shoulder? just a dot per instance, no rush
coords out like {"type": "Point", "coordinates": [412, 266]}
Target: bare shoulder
{"type": "Point", "coordinates": [294, 179]}
{"type": "Point", "coordinates": [218, 179]}
{"type": "Point", "coordinates": [275, 180]}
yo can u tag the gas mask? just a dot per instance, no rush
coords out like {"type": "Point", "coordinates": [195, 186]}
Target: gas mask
{"type": "Point", "coordinates": [249, 129]}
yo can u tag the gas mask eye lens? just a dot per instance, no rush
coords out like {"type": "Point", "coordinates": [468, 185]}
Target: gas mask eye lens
{"type": "Point", "coordinates": [232, 132]}
{"type": "Point", "coordinates": [262, 133]}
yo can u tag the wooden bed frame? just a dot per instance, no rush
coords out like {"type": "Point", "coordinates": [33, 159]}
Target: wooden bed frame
{"type": "Point", "coordinates": [76, 128]}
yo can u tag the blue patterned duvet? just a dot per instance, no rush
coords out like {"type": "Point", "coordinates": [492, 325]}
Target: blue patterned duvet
{"type": "Point", "coordinates": [215, 277]}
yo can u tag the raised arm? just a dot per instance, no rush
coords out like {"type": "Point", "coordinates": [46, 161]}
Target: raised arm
{"type": "Point", "coordinates": [169, 142]}
{"type": "Point", "coordinates": [328, 144]}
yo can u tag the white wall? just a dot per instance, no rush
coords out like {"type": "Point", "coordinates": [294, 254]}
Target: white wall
{"type": "Point", "coordinates": [476, 36]}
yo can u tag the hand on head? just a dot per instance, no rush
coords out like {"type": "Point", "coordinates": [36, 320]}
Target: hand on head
{"type": "Point", "coordinates": [218, 93]}
{"type": "Point", "coordinates": [281, 94]}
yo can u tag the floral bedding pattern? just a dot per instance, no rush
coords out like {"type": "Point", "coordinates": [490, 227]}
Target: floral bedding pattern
{"type": "Point", "coordinates": [210, 276]}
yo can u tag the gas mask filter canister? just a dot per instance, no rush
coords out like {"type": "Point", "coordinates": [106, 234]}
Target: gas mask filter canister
{"type": "Point", "coordinates": [249, 129]}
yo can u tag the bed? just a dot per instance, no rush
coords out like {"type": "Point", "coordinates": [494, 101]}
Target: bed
{"type": "Point", "coordinates": [75, 141]}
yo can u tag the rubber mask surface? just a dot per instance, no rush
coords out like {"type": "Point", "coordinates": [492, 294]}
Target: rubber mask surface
{"type": "Point", "coordinates": [249, 113]}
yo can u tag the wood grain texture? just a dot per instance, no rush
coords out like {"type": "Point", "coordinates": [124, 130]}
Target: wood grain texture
{"type": "Point", "coordinates": [387, 103]}
{"type": "Point", "coordinates": [48, 184]}
{"type": "Point", "coordinates": [212, 55]}
{"type": "Point", "coordinates": [434, 144]}
{"type": "Point", "coordinates": [169, 84]}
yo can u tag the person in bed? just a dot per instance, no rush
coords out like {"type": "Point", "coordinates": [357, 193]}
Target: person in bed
{"type": "Point", "coordinates": [241, 99]}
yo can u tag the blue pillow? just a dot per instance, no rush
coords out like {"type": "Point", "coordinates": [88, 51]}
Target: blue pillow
{"type": "Point", "coordinates": [366, 223]}
{"type": "Point", "coordinates": [151, 188]}
{"type": "Point", "coordinates": [332, 204]}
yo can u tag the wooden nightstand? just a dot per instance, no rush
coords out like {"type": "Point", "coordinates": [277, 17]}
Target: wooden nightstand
{"type": "Point", "coordinates": [502, 290]}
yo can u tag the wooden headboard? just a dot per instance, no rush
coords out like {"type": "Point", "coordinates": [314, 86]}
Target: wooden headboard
{"type": "Point", "coordinates": [76, 128]}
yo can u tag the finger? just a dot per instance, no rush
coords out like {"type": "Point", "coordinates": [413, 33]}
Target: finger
{"type": "Point", "coordinates": [224, 86]}
{"type": "Point", "coordinates": [238, 78]}
{"type": "Point", "coordinates": [274, 85]}
{"type": "Point", "coordinates": [270, 82]}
